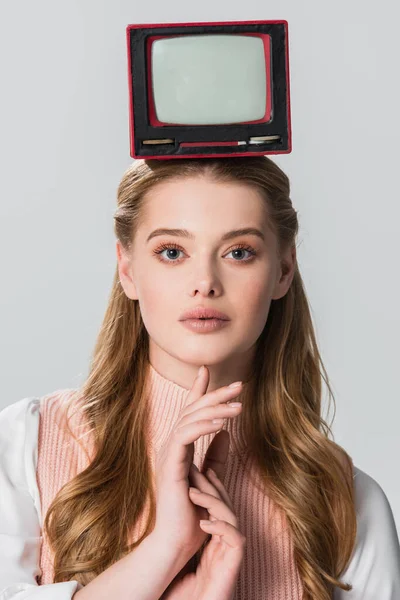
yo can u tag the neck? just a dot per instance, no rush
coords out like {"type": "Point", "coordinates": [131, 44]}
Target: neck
{"type": "Point", "coordinates": [236, 368]}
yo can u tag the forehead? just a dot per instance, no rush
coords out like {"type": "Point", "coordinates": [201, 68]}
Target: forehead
{"type": "Point", "coordinates": [197, 200]}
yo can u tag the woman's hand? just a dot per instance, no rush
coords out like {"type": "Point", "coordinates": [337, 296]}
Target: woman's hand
{"type": "Point", "coordinates": [177, 518]}
{"type": "Point", "coordinates": [216, 575]}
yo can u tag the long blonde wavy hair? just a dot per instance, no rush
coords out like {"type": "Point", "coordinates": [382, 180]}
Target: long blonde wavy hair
{"type": "Point", "coordinates": [309, 476]}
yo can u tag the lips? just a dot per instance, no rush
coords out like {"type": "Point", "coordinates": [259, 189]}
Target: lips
{"type": "Point", "coordinates": [201, 312]}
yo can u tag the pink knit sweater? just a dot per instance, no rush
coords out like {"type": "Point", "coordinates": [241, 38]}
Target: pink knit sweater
{"type": "Point", "coordinates": [268, 571]}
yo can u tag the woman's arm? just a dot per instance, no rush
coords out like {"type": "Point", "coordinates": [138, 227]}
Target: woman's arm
{"type": "Point", "coordinates": [143, 574]}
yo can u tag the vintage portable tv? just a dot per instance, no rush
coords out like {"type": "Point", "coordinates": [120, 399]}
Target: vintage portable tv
{"type": "Point", "coordinates": [208, 89]}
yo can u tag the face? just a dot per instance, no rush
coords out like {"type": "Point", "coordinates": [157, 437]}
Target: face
{"type": "Point", "coordinates": [171, 274]}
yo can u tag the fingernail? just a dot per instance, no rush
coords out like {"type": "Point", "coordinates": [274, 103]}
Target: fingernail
{"type": "Point", "coordinates": [205, 523]}
{"type": "Point", "coordinates": [194, 490]}
{"type": "Point", "coordinates": [212, 472]}
{"type": "Point", "coordinates": [200, 371]}
{"type": "Point", "coordinates": [236, 384]}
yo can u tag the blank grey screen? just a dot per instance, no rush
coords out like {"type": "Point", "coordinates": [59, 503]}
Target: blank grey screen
{"type": "Point", "coordinates": [209, 79]}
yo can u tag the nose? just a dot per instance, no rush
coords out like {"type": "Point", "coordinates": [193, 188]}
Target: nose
{"type": "Point", "coordinates": [206, 280]}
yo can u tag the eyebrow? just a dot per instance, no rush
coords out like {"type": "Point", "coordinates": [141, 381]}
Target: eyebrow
{"type": "Point", "coordinates": [227, 236]}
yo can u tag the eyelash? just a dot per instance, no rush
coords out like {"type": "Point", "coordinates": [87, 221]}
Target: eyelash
{"type": "Point", "coordinates": [163, 247]}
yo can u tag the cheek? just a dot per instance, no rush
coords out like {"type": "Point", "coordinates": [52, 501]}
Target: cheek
{"type": "Point", "coordinates": [159, 303]}
{"type": "Point", "coordinates": [254, 305]}
{"type": "Point", "coordinates": [254, 294]}
{"type": "Point", "coordinates": [152, 302]}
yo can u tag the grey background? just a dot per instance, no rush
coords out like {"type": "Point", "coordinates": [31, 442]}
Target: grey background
{"type": "Point", "coordinates": [64, 145]}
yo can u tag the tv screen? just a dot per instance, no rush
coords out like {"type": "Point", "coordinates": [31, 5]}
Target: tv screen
{"type": "Point", "coordinates": [209, 79]}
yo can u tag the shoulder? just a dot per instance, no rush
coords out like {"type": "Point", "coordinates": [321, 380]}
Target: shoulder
{"type": "Point", "coordinates": [370, 499]}
{"type": "Point", "coordinates": [372, 505]}
{"type": "Point", "coordinates": [16, 420]}
{"type": "Point", "coordinates": [16, 412]}
{"type": "Point", "coordinates": [376, 528]}
{"type": "Point", "coordinates": [56, 406]}
{"type": "Point", "coordinates": [21, 416]}
{"type": "Point", "coordinates": [374, 568]}
{"type": "Point", "coordinates": [19, 435]}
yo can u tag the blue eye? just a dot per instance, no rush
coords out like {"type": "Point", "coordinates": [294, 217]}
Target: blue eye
{"type": "Point", "coordinates": [173, 246]}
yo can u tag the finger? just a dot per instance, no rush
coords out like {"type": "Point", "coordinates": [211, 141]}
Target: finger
{"type": "Point", "coordinates": [221, 489]}
{"type": "Point", "coordinates": [228, 533]}
{"type": "Point", "coordinates": [215, 506]}
{"type": "Point", "coordinates": [209, 483]}
{"type": "Point", "coordinates": [199, 387]}
{"type": "Point", "coordinates": [184, 437]}
{"type": "Point", "coordinates": [215, 404]}
{"type": "Point", "coordinates": [202, 482]}
{"type": "Point", "coordinates": [202, 423]}
{"type": "Point", "coordinates": [199, 398]}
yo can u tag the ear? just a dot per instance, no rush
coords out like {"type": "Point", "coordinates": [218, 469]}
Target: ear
{"type": "Point", "coordinates": [288, 263]}
{"type": "Point", "coordinates": [125, 271]}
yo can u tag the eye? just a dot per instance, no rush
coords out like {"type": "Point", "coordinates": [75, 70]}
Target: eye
{"type": "Point", "coordinates": [171, 246]}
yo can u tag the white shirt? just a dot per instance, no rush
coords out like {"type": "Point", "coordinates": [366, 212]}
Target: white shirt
{"type": "Point", "coordinates": [374, 570]}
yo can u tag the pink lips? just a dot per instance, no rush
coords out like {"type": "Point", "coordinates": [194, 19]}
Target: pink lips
{"type": "Point", "coordinates": [205, 325]}
{"type": "Point", "coordinates": [201, 312]}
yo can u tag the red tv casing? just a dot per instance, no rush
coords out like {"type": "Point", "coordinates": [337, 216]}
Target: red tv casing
{"type": "Point", "coordinates": [206, 141]}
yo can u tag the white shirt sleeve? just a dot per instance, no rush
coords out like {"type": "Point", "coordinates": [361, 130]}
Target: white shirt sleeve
{"type": "Point", "coordinates": [20, 515]}
{"type": "Point", "coordinates": [374, 569]}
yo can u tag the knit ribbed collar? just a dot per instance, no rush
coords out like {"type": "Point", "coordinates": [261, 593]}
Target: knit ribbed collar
{"type": "Point", "coordinates": [166, 400]}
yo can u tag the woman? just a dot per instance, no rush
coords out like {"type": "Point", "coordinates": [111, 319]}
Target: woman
{"type": "Point", "coordinates": [97, 501]}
